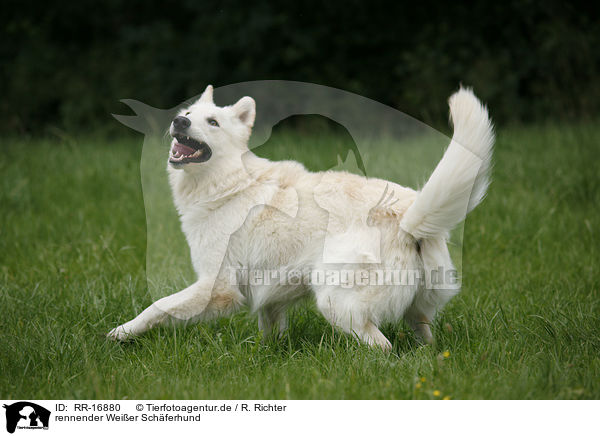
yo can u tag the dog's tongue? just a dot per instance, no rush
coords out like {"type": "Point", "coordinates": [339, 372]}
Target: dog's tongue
{"type": "Point", "coordinates": [183, 149]}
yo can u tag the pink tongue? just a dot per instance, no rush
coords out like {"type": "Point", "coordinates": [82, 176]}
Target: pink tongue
{"type": "Point", "coordinates": [183, 149]}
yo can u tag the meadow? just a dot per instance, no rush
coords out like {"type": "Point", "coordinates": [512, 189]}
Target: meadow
{"type": "Point", "coordinates": [73, 265]}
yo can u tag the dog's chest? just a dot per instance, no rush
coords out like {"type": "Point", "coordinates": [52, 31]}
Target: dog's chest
{"type": "Point", "coordinates": [208, 227]}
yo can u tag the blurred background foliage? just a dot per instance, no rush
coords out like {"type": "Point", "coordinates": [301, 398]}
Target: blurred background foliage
{"type": "Point", "coordinates": [66, 65]}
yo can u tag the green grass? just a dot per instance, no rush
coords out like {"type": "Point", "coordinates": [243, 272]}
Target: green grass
{"type": "Point", "coordinates": [72, 266]}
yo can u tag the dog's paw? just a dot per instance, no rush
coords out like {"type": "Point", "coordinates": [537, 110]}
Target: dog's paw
{"type": "Point", "coordinates": [383, 343]}
{"type": "Point", "coordinates": [121, 333]}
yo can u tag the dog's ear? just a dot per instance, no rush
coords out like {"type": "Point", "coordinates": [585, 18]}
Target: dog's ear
{"type": "Point", "coordinates": [245, 109]}
{"type": "Point", "coordinates": [207, 95]}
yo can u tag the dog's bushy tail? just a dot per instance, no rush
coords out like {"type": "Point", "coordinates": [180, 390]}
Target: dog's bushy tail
{"type": "Point", "coordinates": [461, 178]}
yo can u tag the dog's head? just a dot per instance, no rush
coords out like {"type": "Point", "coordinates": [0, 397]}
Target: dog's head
{"type": "Point", "coordinates": [203, 133]}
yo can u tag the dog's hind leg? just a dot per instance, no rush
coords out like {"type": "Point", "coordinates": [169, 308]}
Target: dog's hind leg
{"type": "Point", "coordinates": [371, 335]}
{"type": "Point", "coordinates": [420, 322]}
{"type": "Point", "coordinates": [272, 321]}
{"type": "Point", "coordinates": [198, 301]}
{"type": "Point", "coordinates": [441, 284]}
{"type": "Point", "coordinates": [342, 308]}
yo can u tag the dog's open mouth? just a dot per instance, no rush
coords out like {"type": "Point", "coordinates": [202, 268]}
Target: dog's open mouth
{"type": "Point", "coordinates": [187, 150]}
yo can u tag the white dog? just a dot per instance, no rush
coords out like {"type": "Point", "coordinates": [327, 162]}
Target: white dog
{"type": "Point", "coordinates": [239, 211]}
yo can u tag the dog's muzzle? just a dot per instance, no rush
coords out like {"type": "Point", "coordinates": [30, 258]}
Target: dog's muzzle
{"type": "Point", "coordinates": [187, 150]}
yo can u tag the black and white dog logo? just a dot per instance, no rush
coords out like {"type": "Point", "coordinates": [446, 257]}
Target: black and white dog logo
{"type": "Point", "coordinates": [26, 415]}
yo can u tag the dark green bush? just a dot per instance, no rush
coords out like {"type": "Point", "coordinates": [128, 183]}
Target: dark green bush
{"type": "Point", "coordinates": [66, 65]}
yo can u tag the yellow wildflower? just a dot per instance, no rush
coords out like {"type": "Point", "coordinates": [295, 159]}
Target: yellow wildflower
{"type": "Point", "coordinates": [436, 393]}
{"type": "Point", "coordinates": [423, 379]}
{"type": "Point", "coordinates": [446, 398]}
{"type": "Point", "coordinates": [418, 385]}
{"type": "Point", "coordinates": [446, 354]}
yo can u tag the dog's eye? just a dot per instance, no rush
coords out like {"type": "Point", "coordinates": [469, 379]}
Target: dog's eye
{"type": "Point", "coordinates": [187, 113]}
{"type": "Point", "coordinates": [212, 122]}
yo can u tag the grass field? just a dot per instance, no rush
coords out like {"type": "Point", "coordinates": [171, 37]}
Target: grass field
{"type": "Point", "coordinates": [72, 266]}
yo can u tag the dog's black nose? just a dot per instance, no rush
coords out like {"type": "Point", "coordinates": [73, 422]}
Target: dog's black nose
{"type": "Point", "coordinates": [181, 123]}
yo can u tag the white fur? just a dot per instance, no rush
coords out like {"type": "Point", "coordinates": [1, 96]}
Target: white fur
{"type": "Point", "coordinates": [460, 180]}
{"type": "Point", "coordinates": [239, 210]}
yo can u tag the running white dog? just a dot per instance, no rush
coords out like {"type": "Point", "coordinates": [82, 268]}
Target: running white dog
{"type": "Point", "coordinates": [239, 211]}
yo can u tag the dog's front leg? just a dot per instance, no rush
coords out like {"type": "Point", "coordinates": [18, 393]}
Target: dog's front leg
{"type": "Point", "coordinates": [200, 300]}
